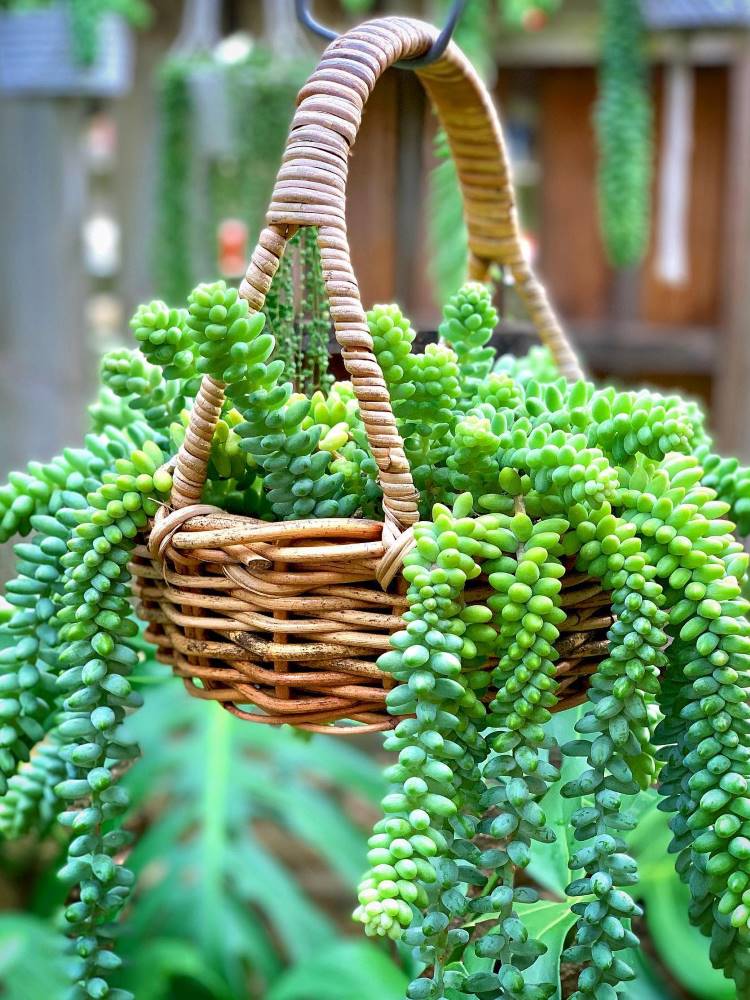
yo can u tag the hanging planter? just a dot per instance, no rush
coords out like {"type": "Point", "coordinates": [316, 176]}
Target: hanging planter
{"type": "Point", "coordinates": [224, 110]}
{"type": "Point", "coordinates": [292, 617]}
{"type": "Point", "coordinates": [450, 545]}
{"type": "Point", "coordinates": [40, 56]}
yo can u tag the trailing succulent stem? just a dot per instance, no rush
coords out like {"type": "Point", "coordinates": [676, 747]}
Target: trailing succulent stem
{"type": "Point", "coordinates": [436, 777]}
{"type": "Point", "coordinates": [616, 746]}
{"type": "Point", "coordinates": [97, 654]}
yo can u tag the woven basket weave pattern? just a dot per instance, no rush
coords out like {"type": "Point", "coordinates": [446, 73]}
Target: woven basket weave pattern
{"type": "Point", "coordinates": [291, 617]}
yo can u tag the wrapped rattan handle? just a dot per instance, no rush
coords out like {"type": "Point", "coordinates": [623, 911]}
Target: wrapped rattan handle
{"type": "Point", "coordinates": [311, 191]}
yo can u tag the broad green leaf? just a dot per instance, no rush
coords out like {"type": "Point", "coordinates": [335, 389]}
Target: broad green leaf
{"type": "Point", "coordinates": [549, 862]}
{"type": "Point", "coordinates": [647, 985]}
{"type": "Point", "coordinates": [336, 761]}
{"type": "Point", "coordinates": [165, 960]}
{"type": "Point", "coordinates": [549, 922]}
{"type": "Point", "coordinates": [680, 946]}
{"type": "Point", "coordinates": [32, 965]}
{"type": "Point", "coordinates": [259, 878]}
{"type": "Point", "coordinates": [206, 882]}
{"type": "Point", "coordinates": [350, 970]}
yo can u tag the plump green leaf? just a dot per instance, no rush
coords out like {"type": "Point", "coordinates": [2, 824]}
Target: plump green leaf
{"type": "Point", "coordinates": [680, 946]}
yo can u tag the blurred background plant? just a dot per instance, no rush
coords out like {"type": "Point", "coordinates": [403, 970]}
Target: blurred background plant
{"type": "Point", "coordinates": [249, 844]}
{"type": "Point", "coordinates": [85, 19]}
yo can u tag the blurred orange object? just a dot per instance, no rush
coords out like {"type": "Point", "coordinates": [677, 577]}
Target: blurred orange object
{"type": "Point", "coordinates": [534, 19]}
{"type": "Point", "coordinates": [232, 248]}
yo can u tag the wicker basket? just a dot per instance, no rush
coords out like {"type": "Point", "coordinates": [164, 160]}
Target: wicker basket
{"type": "Point", "coordinates": [283, 622]}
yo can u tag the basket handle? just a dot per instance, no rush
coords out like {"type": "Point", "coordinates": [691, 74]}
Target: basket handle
{"type": "Point", "coordinates": [311, 191]}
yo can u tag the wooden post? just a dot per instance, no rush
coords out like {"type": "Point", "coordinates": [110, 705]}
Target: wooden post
{"type": "Point", "coordinates": [42, 321]}
{"type": "Point", "coordinates": [731, 392]}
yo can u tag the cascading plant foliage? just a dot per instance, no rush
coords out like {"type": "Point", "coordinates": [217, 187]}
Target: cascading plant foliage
{"type": "Point", "coordinates": [624, 131]}
{"type": "Point", "coordinates": [524, 479]}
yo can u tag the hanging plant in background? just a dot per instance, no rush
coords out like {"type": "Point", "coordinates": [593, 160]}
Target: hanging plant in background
{"type": "Point", "coordinates": [231, 176]}
{"type": "Point", "coordinates": [261, 92]}
{"type": "Point", "coordinates": [85, 19]}
{"type": "Point", "coordinates": [171, 249]}
{"type": "Point", "coordinates": [476, 33]}
{"type": "Point", "coordinates": [624, 127]}
{"type": "Point", "coordinates": [298, 316]}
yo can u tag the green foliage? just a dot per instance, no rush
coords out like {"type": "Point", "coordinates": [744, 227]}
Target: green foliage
{"type": "Point", "coordinates": [731, 482]}
{"type": "Point", "coordinates": [538, 364]}
{"type": "Point", "coordinates": [164, 339]}
{"type": "Point", "coordinates": [127, 375]}
{"type": "Point", "coordinates": [608, 480]}
{"type": "Point", "coordinates": [469, 320]}
{"type": "Point", "coordinates": [205, 794]}
{"type": "Point", "coordinates": [437, 776]}
{"type": "Point", "coordinates": [44, 488]}
{"type": "Point", "coordinates": [616, 747]}
{"type": "Point", "coordinates": [29, 639]}
{"type": "Point", "coordinates": [425, 391]}
{"type": "Point", "coordinates": [349, 969]}
{"type": "Point", "coordinates": [298, 316]}
{"type": "Point", "coordinates": [230, 343]}
{"type": "Point", "coordinates": [217, 907]}
{"type": "Point", "coordinates": [31, 802]}
{"type": "Point", "coordinates": [473, 462]}
{"type": "Point", "coordinates": [525, 480]}
{"type": "Point", "coordinates": [666, 900]}
{"type": "Point", "coordinates": [297, 475]}
{"type": "Point", "coordinates": [85, 18]}
{"type": "Point", "coordinates": [623, 121]}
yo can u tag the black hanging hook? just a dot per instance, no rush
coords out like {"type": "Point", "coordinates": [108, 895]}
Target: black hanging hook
{"type": "Point", "coordinates": [438, 47]}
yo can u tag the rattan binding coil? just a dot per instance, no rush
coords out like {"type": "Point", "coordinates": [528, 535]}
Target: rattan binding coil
{"type": "Point", "coordinates": [283, 622]}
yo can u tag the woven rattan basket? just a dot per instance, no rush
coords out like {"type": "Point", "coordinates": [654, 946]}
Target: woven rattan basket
{"type": "Point", "coordinates": [283, 622]}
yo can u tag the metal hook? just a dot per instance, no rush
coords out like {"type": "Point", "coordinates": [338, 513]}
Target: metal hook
{"type": "Point", "coordinates": [432, 55]}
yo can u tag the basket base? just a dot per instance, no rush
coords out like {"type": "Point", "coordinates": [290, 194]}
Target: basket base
{"type": "Point", "coordinates": [282, 624]}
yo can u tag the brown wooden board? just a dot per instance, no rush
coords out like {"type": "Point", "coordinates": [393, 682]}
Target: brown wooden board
{"type": "Point", "coordinates": [372, 194]}
{"type": "Point", "coordinates": [571, 253]}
